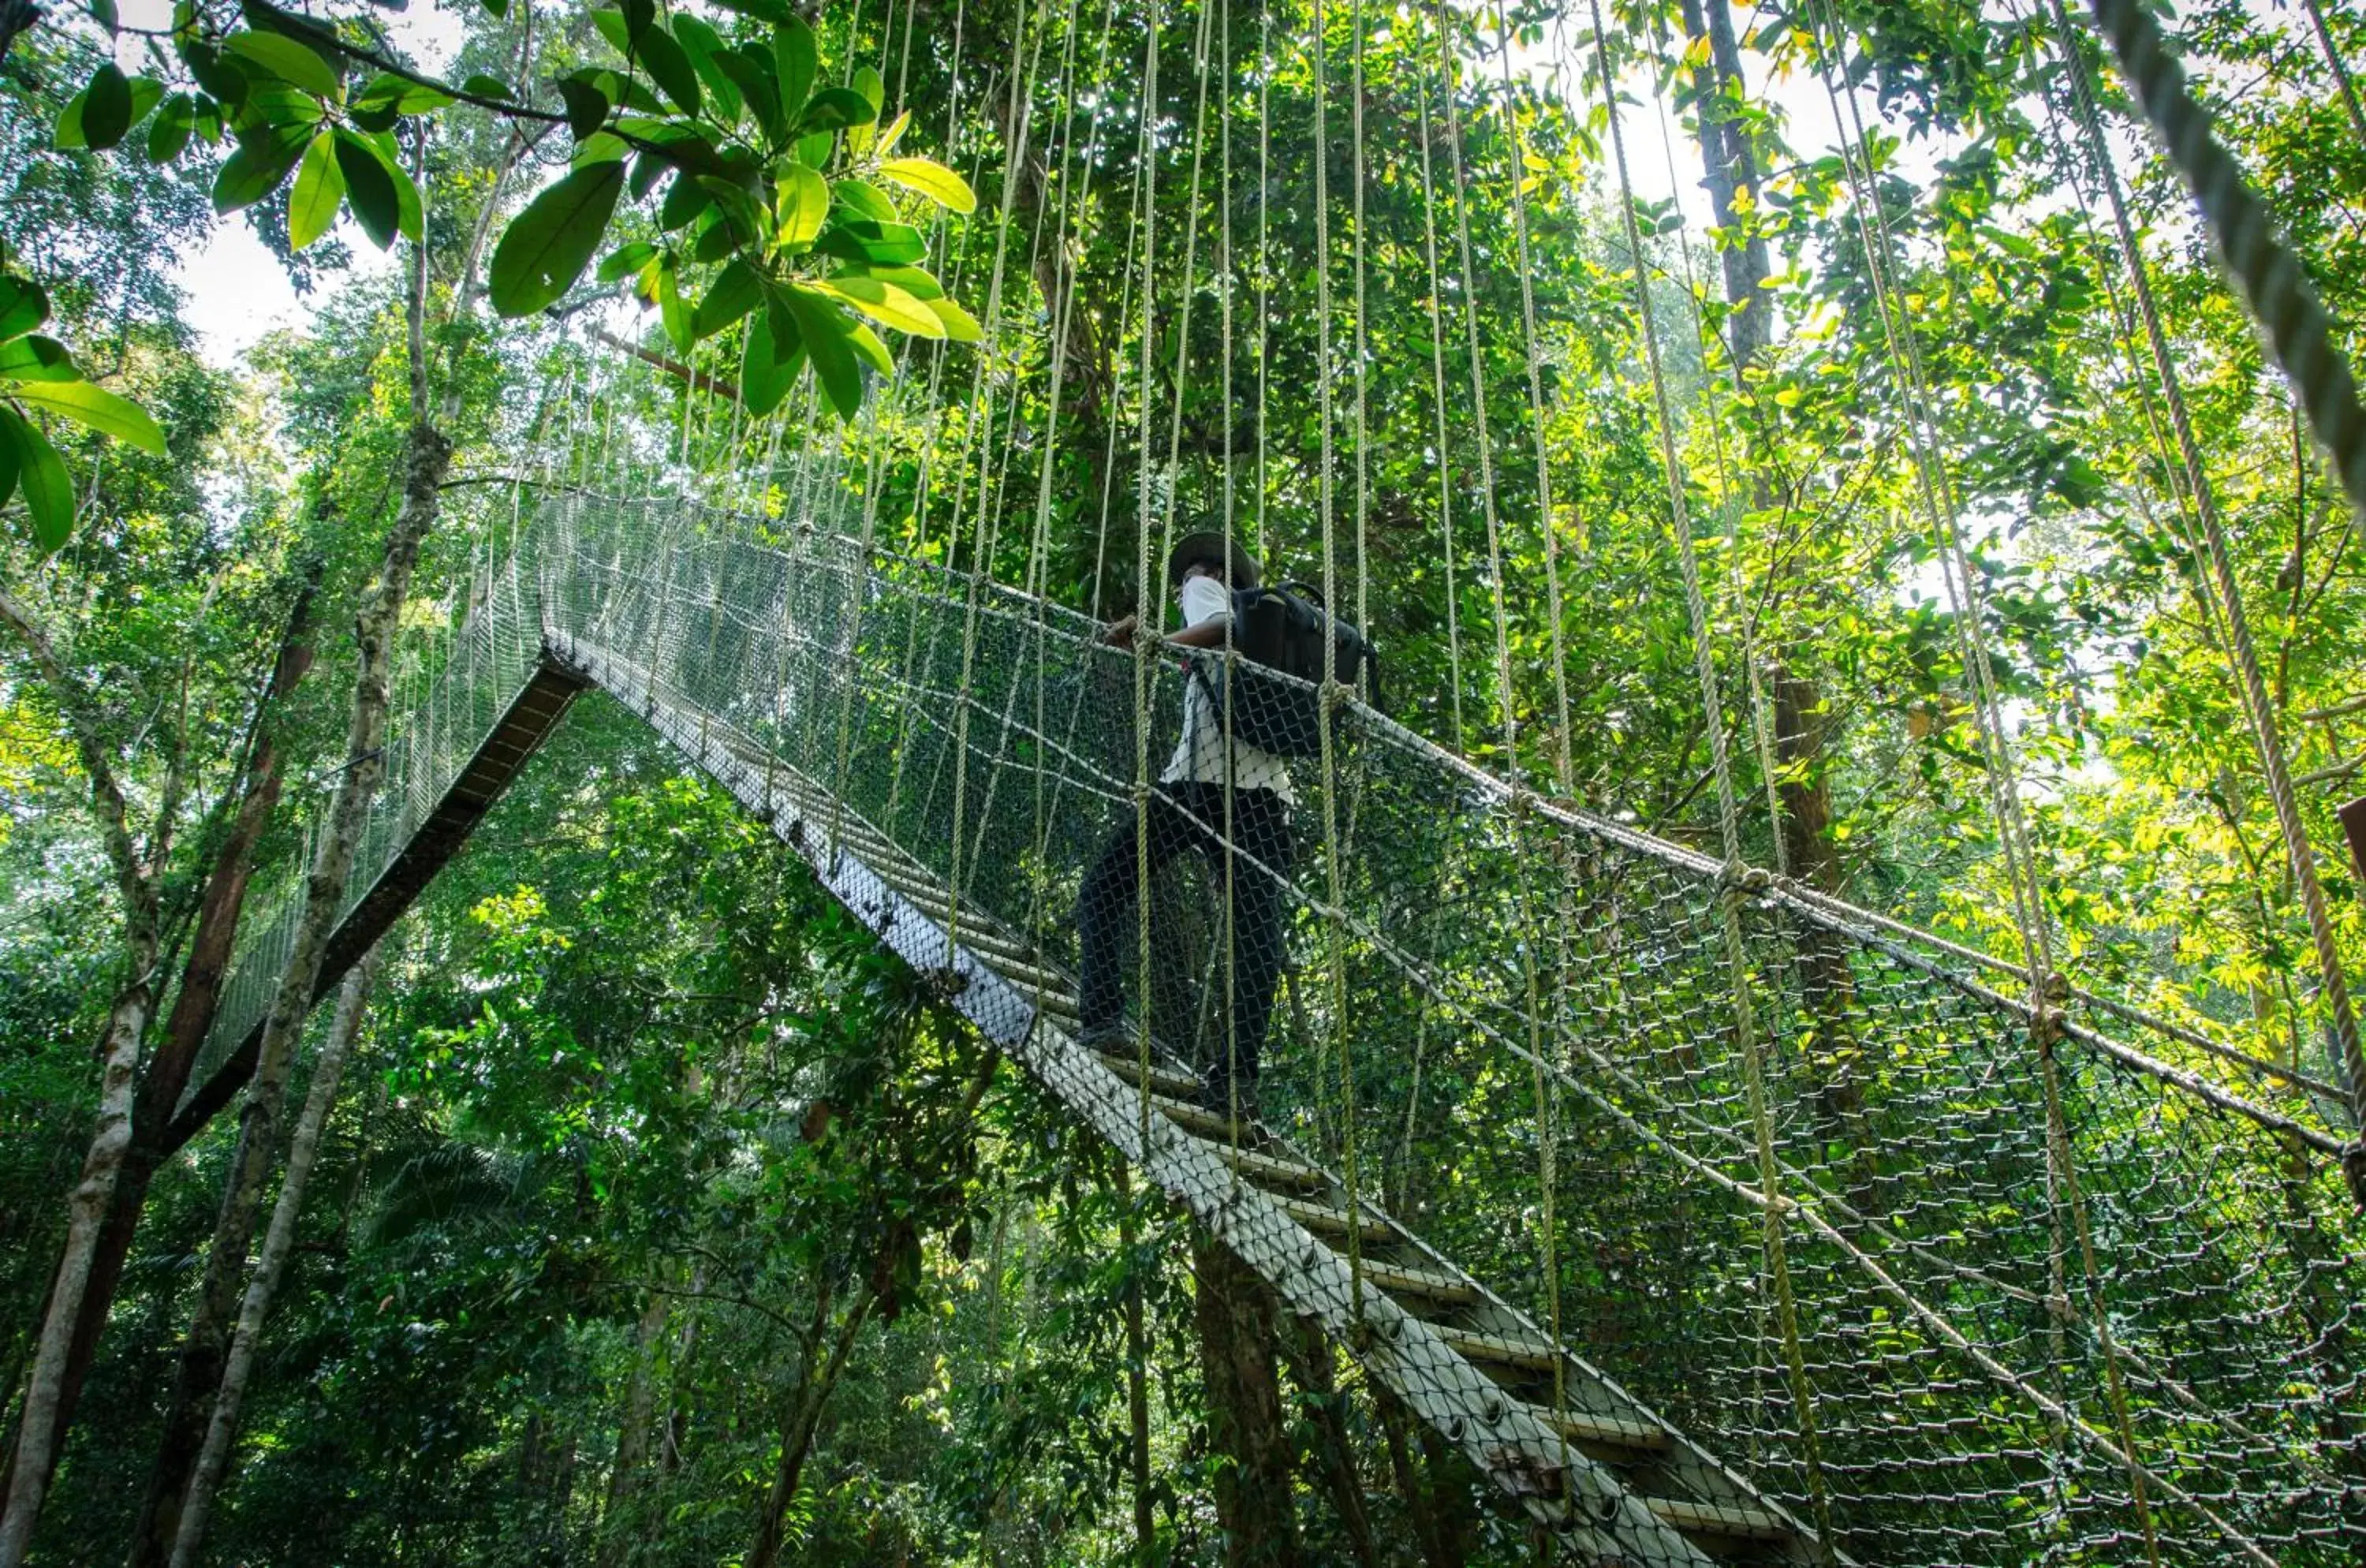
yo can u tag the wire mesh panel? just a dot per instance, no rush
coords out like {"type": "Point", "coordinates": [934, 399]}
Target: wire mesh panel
{"type": "Point", "coordinates": [1517, 1028]}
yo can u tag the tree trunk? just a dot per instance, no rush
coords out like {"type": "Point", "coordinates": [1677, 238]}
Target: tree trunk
{"type": "Point", "coordinates": [1310, 1361]}
{"type": "Point", "coordinates": [427, 457]}
{"type": "Point", "coordinates": [38, 1428]}
{"type": "Point", "coordinates": [1137, 1379]}
{"type": "Point", "coordinates": [1254, 1502]}
{"type": "Point", "coordinates": [166, 1073]}
{"type": "Point", "coordinates": [213, 1460]}
{"type": "Point", "coordinates": [1445, 1523]}
{"type": "Point", "coordinates": [797, 1433]}
{"type": "Point", "coordinates": [633, 1433]}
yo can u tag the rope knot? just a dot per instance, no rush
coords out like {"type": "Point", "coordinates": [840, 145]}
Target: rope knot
{"type": "Point", "coordinates": [1336, 694]}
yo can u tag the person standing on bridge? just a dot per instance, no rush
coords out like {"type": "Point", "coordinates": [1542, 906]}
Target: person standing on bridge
{"type": "Point", "coordinates": [1220, 798]}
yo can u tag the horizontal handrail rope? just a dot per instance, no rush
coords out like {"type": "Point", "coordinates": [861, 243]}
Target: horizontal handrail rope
{"type": "Point", "coordinates": [1743, 1192]}
{"type": "Point", "coordinates": [1834, 913]}
{"type": "Point", "coordinates": [1846, 1213]}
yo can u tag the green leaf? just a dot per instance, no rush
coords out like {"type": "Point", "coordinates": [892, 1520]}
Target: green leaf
{"type": "Point", "coordinates": [934, 180]}
{"type": "Point", "coordinates": [704, 44]}
{"type": "Point", "coordinates": [600, 147]}
{"type": "Point", "coordinates": [42, 473]}
{"type": "Point", "coordinates": [587, 106]}
{"type": "Point", "coordinates": [796, 58]}
{"type": "Point", "coordinates": [826, 334]}
{"type": "Point", "coordinates": [775, 357]}
{"type": "Point", "coordinates": [369, 188]}
{"type": "Point", "coordinates": [910, 279]}
{"type": "Point", "coordinates": [886, 303]}
{"type": "Point", "coordinates": [960, 326]}
{"type": "Point", "coordinates": [546, 247]}
{"type": "Point", "coordinates": [813, 150]}
{"type": "Point", "coordinates": [624, 261]}
{"type": "Point", "coordinates": [864, 202]}
{"type": "Point", "coordinates": [403, 94]}
{"type": "Point", "coordinates": [639, 17]}
{"type": "Point", "coordinates": [684, 200]}
{"type": "Point", "coordinates": [866, 343]}
{"type": "Point", "coordinates": [736, 290]}
{"type": "Point", "coordinates": [23, 306]}
{"type": "Point", "coordinates": [170, 133]}
{"type": "Point", "coordinates": [8, 465]}
{"type": "Point", "coordinates": [320, 191]}
{"type": "Point", "coordinates": [834, 107]}
{"type": "Point", "coordinates": [281, 56]}
{"type": "Point", "coordinates": [97, 408]}
{"type": "Point", "coordinates": [737, 205]}
{"type": "Point", "coordinates": [103, 12]}
{"type": "Point", "coordinates": [106, 107]}
{"type": "Point", "coordinates": [36, 359]}
{"type": "Point", "coordinates": [610, 24]}
{"type": "Point", "coordinates": [803, 201]}
{"type": "Point", "coordinates": [671, 312]}
{"type": "Point", "coordinates": [867, 82]}
{"type": "Point", "coordinates": [895, 132]}
{"type": "Point", "coordinates": [218, 77]}
{"type": "Point", "coordinates": [486, 85]}
{"type": "Point", "coordinates": [255, 170]}
{"type": "Point", "coordinates": [669, 68]}
{"type": "Point", "coordinates": [861, 239]}
{"type": "Point", "coordinates": [752, 75]}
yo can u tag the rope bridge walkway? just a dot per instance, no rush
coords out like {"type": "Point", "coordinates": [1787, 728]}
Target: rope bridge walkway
{"type": "Point", "coordinates": [1887, 1352]}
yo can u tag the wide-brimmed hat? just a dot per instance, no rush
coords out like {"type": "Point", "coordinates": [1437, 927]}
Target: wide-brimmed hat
{"type": "Point", "coordinates": [1213, 550]}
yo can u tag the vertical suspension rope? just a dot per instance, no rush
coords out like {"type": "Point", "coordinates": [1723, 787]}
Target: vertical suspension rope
{"type": "Point", "coordinates": [2270, 278]}
{"type": "Point", "coordinates": [1728, 822]}
{"type": "Point", "coordinates": [1964, 592]}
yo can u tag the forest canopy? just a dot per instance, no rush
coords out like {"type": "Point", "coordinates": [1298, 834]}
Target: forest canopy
{"type": "Point", "coordinates": [1867, 630]}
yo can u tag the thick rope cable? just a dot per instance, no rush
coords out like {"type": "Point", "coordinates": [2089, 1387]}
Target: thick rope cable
{"type": "Point", "coordinates": [2280, 298]}
{"type": "Point", "coordinates": [1728, 826]}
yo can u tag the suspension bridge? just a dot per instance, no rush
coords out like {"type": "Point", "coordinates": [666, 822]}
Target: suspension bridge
{"type": "Point", "coordinates": [1816, 1293]}
{"type": "Point", "coordinates": [1791, 1232]}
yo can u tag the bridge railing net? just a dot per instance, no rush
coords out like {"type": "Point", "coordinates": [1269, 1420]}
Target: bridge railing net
{"type": "Point", "coordinates": [451, 692]}
{"type": "Point", "coordinates": [1499, 978]}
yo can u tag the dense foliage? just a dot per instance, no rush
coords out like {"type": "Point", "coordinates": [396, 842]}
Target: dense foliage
{"type": "Point", "coordinates": [664, 1218]}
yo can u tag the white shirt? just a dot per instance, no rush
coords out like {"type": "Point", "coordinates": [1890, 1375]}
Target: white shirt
{"type": "Point", "coordinates": [1200, 754]}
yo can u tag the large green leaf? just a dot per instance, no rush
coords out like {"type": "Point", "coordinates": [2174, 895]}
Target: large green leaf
{"type": "Point", "coordinates": [370, 186]}
{"type": "Point", "coordinates": [960, 326]}
{"type": "Point", "coordinates": [771, 370]}
{"type": "Point", "coordinates": [833, 108]}
{"type": "Point", "coordinates": [23, 306]}
{"type": "Point", "coordinates": [106, 107]}
{"type": "Point", "coordinates": [752, 74]}
{"type": "Point", "coordinates": [96, 407]}
{"type": "Point", "coordinates": [673, 313]}
{"type": "Point", "coordinates": [283, 57]}
{"type": "Point", "coordinates": [703, 44]}
{"type": "Point", "coordinates": [170, 133]}
{"type": "Point", "coordinates": [9, 462]}
{"type": "Point", "coordinates": [864, 200]}
{"type": "Point", "coordinates": [736, 290]}
{"type": "Point", "coordinates": [796, 58]}
{"type": "Point", "coordinates": [827, 334]}
{"type": "Point", "coordinates": [320, 191]}
{"type": "Point", "coordinates": [547, 246]}
{"type": "Point", "coordinates": [587, 106]}
{"type": "Point", "coordinates": [255, 170]}
{"type": "Point", "coordinates": [669, 68]}
{"type": "Point", "coordinates": [36, 359]}
{"type": "Point", "coordinates": [932, 179]}
{"type": "Point", "coordinates": [886, 303]}
{"type": "Point", "coordinates": [804, 202]}
{"type": "Point", "coordinates": [624, 261]}
{"type": "Point", "coordinates": [41, 475]}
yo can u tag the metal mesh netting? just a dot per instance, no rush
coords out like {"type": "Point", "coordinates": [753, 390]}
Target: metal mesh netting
{"type": "Point", "coordinates": [1483, 945]}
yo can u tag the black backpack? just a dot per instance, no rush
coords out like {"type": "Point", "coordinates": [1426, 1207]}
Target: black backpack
{"type": "Point", "coordinates": [1283, 628]}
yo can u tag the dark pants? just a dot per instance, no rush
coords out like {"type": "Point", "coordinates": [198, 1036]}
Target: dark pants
{"type": "Point", "coordinates": [1192, 817]}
